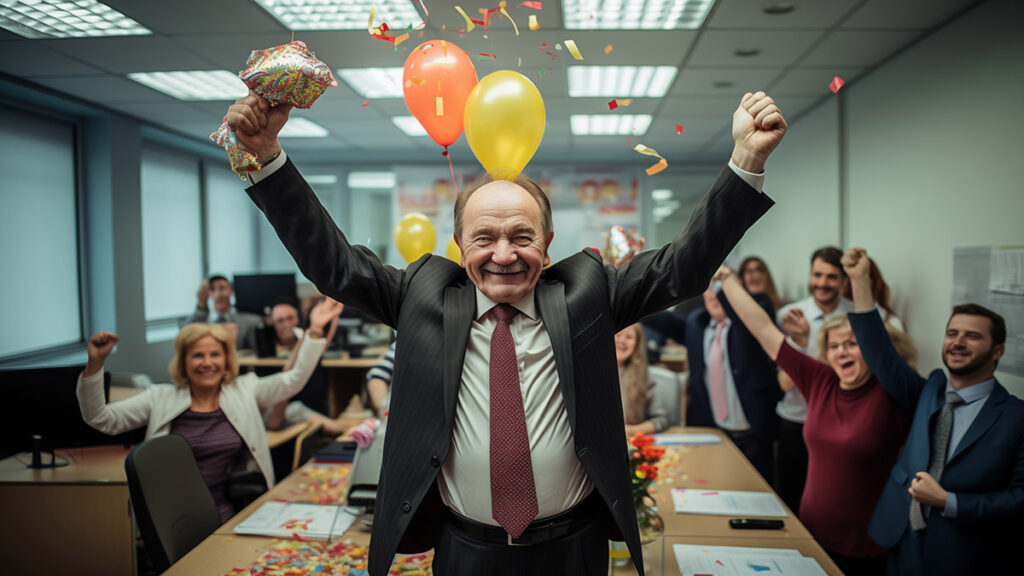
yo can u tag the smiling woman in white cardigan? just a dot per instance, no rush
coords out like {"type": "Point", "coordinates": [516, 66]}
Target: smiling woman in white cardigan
{"type": "Point", "coordinates": [217, 411]}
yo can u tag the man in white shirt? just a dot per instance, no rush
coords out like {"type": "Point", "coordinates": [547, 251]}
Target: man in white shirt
{"type": "Point", "coordinates": [802, 321]}
{"type": "Point", "coordinates": [504, 450]}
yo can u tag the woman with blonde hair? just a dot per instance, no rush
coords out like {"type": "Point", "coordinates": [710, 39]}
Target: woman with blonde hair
{"type": "Point", "coordinates": [641, 409]}
{"type": "Point", "coordinates": [214, 408]}
{"type": "Point", "coordinates": [854, 431]}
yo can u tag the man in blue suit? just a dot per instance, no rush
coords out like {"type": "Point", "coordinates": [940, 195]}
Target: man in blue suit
{"type": "Point", "coordinates": [954, 502]}
{"type": "Point", "coordinates": [741, 400]}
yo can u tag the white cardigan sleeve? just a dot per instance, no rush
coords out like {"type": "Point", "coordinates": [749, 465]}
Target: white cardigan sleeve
{"type": "Point", "coordinates": [127, 414]}
{"type": "Point", "coordinates": [270, 390]}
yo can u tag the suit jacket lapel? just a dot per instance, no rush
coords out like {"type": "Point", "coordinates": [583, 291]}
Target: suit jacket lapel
{"type": "Point", "coordinates": [550, 297]}
{"type": "Point", "coordinates": [459, 308]}
{"type": "Point", "coordinates": [988, 415]}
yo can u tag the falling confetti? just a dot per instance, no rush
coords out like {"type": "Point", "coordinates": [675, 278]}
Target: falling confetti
{"type": "Point", "coordinates": [534, 5]}
{"type": "Point", "coordinates": [679, 129]}
{"type": "Point", "coordinates": [533, 22]}
{"type": "Point", "coordinates": [613, 104]}
{"type": "Point", "coordinates": [836, 84]}
{"type": "Point", "coordinates": [469, 21]}
{"type": "Point", "coordinates": [662, 163]}
{"type": "Point", "coordinates": [365, 104]}
{"type": "Point", "coordinates": [608, 49]}
{"type": "Point", "coordinates": [571, 45]}
{"type": "Point", "coordinates": [440, 105]}
{"type": "Point", "coordinates": [501, 6]}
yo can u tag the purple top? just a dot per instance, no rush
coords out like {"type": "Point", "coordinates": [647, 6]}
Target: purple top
{"type": "Point", "coordinates": [216, 446]}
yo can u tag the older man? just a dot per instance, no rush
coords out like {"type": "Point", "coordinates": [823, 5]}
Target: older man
{"type": "Point", "coordinates": [504, 449]}
{"type": "Point", "coordinates": [218, 289]}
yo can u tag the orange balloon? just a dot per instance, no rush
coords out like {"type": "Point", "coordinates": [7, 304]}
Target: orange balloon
{"type": "Point", "coordinates": [437, 80]}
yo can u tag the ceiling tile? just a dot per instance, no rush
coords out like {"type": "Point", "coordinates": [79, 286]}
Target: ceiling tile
{"type": "Point", "coordinates": [716, 48]}
{"type": "Point", "coordinates": [858, 48]}
{"type": "Point", "coordinates": [702, 81]}
{"type": "Point", "coordinates": [816, 14]}
{"type": "Point", "coordinates": [223, 17]}
{"type": "Point", "coordinates": [102, 88]}
{"type": "Point", "coordinates": [229, 52]}
{"type": "Point", "coordinates": [29, 59]}
{"type": "Point", "coordinates": [811, 81]}
{"type": "Point", "coordinates": [125, 54]}
{"type": "Point", "coordinates": [919, 14]}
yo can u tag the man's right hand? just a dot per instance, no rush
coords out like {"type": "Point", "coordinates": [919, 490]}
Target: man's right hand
{"type": "Point", "coordinates": [257, 124]}
{"type": "Point", "coordinates": [100, 346]}
{"type": "Point", "coordinates": [203, 295]}
{"type": "Point", "coordinates": [796, 327]}
{"type": "Point", "coordinates": [856, 264]}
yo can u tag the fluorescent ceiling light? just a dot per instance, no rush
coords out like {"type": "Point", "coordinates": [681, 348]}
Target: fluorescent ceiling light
{"type": "Point", "coordinates": [635, 14]}
{"type": "Point", "coordinates": [374, 82]}
{"type": "Point", "coordinates": [371, 180]}
{"type": "Point", "coordinates": [341, 14]}
{"type": "Point", "coordinates": [661, 194]}
{"type": "Point", "coordinates": [322, 179]}
{"type": "Point", "coordinates": [621, 81]}
{"type": "Point", "coordinates": [194, 84]}
{"type": "Point", "coordinates": [609, 124]}
{"type": "Point", "coordinates": [55, 19]}
{"type": "Point", "coordinates": [302, 128]}
{"type": "Point", "coordinates": [410, 125]}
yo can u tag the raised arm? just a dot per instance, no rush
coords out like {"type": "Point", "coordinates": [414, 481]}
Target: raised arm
{"type": "Point", "coordinates": [896, 376]}
{"type": "Point", "coordinates": [655, 280]}
{"type": "Point", "coordinates": [758, 322]}
{"type": "Point", "coordinates": [115, 418]}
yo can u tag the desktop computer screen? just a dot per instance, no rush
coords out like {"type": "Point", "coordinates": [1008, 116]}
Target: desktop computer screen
{"type": "Point", "coordinates": [255, 292]}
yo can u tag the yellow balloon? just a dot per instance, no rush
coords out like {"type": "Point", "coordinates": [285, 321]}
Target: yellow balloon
{"type": "Point", "coordinates": [414, 236]}
{"type": "Point", "coordinates": [454, 253]}
{"type": "Point", "coordinates": [504, 121]}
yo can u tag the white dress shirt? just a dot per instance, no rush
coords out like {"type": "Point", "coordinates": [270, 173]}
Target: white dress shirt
{"type": "Point", "coordinates": [560, 480]}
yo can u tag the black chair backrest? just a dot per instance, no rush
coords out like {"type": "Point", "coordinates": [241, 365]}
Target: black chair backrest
{"type": "Point", "coordinates": [172, 503]}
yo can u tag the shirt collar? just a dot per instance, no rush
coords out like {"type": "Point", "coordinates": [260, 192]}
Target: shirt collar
{"type": "Point", "coordinates": [525, 305]}
{"type": "Point", "coordinates": [811, 310]}
{"type": "Point", "coordinates": [974, 392]}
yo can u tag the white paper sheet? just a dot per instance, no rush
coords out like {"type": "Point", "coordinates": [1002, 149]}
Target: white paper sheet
{"type": "Point", "coordinates": [726, 502]}
{"type": "Point", "coordinates": [286, 519]}
{"type": "Point", "coordinates": [721, 561]}
{"type": "Point", "coordinates": [685, 439]}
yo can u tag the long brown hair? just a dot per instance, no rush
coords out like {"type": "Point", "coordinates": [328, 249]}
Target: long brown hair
{"type": "Point", "coordinates": [635, 382]}
{"type": "Point", "coordinates": [769, 283]}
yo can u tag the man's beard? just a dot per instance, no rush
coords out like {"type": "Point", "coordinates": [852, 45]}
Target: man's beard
{"type": "Point", "coordinates": [972, 366]}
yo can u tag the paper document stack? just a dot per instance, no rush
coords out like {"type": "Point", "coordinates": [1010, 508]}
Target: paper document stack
{"type": "Point", "coordinates": [291, 519]}
{"type": "Point", "coordinates": [738, 561]}
{"type": "Point", "coordinates": [727, 503]}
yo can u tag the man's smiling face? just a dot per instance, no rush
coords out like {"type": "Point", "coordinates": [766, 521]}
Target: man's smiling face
{"type": "Point", "coordinates": [503, 241]}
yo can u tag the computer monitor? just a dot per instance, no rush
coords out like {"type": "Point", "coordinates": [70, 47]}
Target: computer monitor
{"type": "Point", "coordinates": [43, 401]}
{"type": "Point", "coordinates": [255, 292]}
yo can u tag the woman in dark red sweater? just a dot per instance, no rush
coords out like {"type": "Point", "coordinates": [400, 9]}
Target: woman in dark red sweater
{"type": "Point", "coordinates": [854, 432]}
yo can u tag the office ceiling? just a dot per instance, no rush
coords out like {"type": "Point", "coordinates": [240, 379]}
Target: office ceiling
{"type": "Point", "coordinates": [798, 53]}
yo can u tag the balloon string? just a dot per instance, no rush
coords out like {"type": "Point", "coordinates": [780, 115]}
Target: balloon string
{"type": "Point", "coordinates": [452, 169]}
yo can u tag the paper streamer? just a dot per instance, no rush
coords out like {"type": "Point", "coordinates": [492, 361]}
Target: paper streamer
{"type": "Point", "coordinates": [469, 21]}
{"type": "Point", "coordinates": [571, 45]}
{"type": "Point", "coordinates": [501, 6]}
{"type": "Point", "coordinates": [662, 163]}
{"type": "Point", "coordinates": [534, 5]}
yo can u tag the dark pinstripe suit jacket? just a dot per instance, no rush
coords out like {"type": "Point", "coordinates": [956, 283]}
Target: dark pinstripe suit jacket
{"type": "Point", "coordinates": [582, 302]}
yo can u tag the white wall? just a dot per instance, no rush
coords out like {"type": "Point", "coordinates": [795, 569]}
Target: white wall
{"type": "Point", "coordinates": [932, 144]}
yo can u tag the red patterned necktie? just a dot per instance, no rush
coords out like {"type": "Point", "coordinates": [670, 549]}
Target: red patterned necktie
{"type": "Point", "coordinates": [513, 493]}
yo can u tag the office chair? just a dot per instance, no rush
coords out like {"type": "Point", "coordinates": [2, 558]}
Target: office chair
{"type": "Point", "coordinates": [172, 504]}
{"type": "Point", "coordinates": [669, 389]}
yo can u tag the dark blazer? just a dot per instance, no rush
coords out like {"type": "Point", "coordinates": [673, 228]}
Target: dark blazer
{"type": "Point", "coordinates": [986, 472]}
{"type": "Point", "coordinates": [432, 303]}
{"type": "Point", "coordinates": [752, 370]}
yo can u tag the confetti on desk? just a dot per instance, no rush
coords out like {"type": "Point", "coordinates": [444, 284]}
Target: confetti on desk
{"type": "Point", "coordinates": [293, 558]}
{"type": "Point", "coordinates": [836, 84]}
{"type": "Point", "coordinates": [327, 485]}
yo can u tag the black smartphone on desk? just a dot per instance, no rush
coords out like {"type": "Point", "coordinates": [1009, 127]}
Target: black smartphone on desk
{"type": "Point", "coordinates": [755, 524]}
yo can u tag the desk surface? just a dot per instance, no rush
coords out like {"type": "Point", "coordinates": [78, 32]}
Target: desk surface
{"type": "Point", "coordinates": [720, 466]}
{"type": "Point", "coordinates": [95, 464]}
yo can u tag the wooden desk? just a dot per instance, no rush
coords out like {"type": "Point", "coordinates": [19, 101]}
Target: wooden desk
{"type": "Point", "coordinates": [722, 466]}
{"type": "Point", "coordinates": [71, 520]}
{"type": "Point", "coordinates": [674, 358]}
